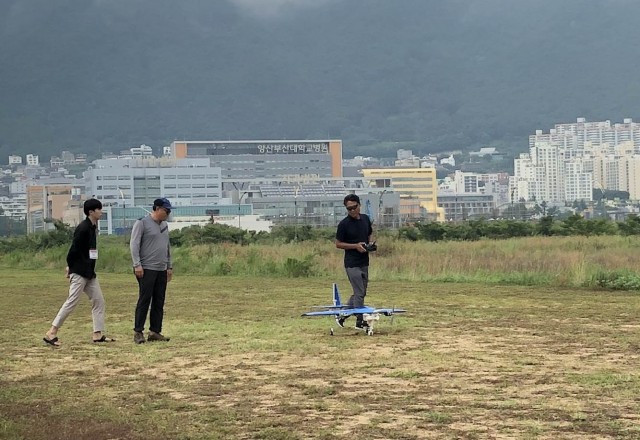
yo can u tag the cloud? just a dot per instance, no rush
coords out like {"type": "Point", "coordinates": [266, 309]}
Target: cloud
{"type": "Point", "coordinates": [274, 8]}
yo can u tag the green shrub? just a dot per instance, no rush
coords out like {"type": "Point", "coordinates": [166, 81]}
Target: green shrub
{"type": "Point", "coordinates": [299, 268]}
{"type": "Point", "coordinates": [631, 226]}
{"type": "Point", "coordinates": [616, 280]}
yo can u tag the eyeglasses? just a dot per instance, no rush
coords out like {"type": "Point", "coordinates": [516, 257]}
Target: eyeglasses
{"type": "Point", "coordinates": [352, 208]}
{"type": "Point", "coordinates": [168, 211]}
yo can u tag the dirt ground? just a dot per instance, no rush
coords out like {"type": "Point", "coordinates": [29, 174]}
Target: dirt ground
{"type": "Point", "coordinates": [466, 362]}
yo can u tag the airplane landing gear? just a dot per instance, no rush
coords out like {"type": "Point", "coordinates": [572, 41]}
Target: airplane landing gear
{"type": "Point", "coordinates": [370, 319]}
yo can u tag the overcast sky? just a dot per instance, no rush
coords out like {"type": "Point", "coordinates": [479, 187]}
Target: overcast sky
{"type": "Point", "coordinates": [270, 8]}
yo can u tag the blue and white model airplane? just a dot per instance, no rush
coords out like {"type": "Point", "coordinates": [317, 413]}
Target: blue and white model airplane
{"type": "Point", "coordinates": [339, 310]}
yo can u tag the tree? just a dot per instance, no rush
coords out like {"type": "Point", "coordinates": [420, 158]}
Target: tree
{"type": "Point", "coordinates": [545, 226]}
{"type": "Point", "coordinates": [10, 226]}
{"type": "Point", "coordinates": [631, 226]}
{"type": "Point", "coordinates": [431, 231]}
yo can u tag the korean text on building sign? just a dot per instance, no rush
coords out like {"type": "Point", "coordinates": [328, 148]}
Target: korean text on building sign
{"type": "Point", "coordinates": [293, 148]}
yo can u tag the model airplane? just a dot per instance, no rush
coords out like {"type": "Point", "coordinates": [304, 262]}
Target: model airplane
{"type": "Point", "coordinates": [339, 310]}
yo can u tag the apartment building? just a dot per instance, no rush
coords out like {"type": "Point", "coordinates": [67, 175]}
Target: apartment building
{"type": "Point", "coordinates": [484, 183]}
{"type": "Point", "coordinates": [629, 176]}
{"type": "Point", "coordinates": [33, 160]}
{"type": "Point", "coordinates": [15, 207]}
{"type": "Point", "coordinates": [461, 207]}
{"type": "Point", "coordinates": [571, 160]}
{"type": "Point", "coordinates": [46, 202]}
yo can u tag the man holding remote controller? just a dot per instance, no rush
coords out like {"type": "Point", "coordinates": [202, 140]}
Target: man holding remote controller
{"type": "Point", "coordinates": [354, 236]}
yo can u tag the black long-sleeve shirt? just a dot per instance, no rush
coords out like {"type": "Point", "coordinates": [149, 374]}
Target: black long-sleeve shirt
{"type": "Point", "coordinates": [84, 239]}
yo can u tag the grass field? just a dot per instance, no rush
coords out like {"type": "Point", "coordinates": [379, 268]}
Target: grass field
{"type": "Point", "coordinates": [467, 362]}
{"type": "Point", "coordinates": [564, 262]}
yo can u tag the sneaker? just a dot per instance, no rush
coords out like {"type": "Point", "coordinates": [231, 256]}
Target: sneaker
{"type": "Point", "coordinates": [153, 336]}
{"type": "Point", "coordinates": [362, 325]}
{"type": "Point", "coordinates": [340, 320]}
{"type": "Point", "coordinates": [138, 338]}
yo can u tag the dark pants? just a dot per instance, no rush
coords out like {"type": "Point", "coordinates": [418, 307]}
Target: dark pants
{"type": "Point", "coordinates": [153, 286]}
{"type": "Point", "coordinates": [359, 279]}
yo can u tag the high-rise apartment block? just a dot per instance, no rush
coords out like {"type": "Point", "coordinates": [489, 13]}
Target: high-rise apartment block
{"type": "Point", "coordinates": [571, 160]}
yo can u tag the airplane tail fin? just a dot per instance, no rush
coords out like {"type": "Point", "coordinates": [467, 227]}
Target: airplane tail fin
{"type": "Point", "coordinates": [336, 296]}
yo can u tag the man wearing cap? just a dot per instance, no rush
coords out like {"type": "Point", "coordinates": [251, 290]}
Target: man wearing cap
{"type": "Point", "coordinates": [151, 255]}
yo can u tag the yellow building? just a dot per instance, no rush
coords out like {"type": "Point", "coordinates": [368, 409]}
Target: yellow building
{"type": "Point", "coordinates": [413, 183]}
{"type": "Point", "coordinates": [628, 178]}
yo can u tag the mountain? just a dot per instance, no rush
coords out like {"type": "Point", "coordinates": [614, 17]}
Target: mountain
{"type": "Point", "coordinates": [432, 75]}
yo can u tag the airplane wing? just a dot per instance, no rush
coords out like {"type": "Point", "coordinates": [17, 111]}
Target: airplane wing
{"type": "Point", "coordinates": [330, 307]}
{"type": "Point", "coordinates": [389, 312]}
{"type": "Point", "coordinates": [340, 312]}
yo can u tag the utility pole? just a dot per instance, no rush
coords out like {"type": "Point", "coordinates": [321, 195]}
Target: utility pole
{"type": "Point", "coordinates": [295, 212]}
{"type": "Point", "coordinates": [240, 196]}
{"type": "Point", "coordinates": [124, 213]}
{"type": "Point", "coordinates": [512, 193]}
{"type": "Point", "coordinates": [380, 216]}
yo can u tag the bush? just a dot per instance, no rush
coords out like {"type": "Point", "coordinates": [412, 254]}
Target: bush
{"type": "Point", "coordinates": [631, 226]}
{"type": "Point", "coordinates": [299, 268]}
{"type": "Point", "coordinates": [61, 235]}
{"type": "Point", "coordinates": [208, 234]}
{"type": "Point", "coordinates": [617, 280]}
{"type": "Point", "coordinates": [431, 231]}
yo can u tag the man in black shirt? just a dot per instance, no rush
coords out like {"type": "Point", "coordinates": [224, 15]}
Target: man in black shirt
{"type": "Point", "coordinates": [353, 233]}
{"type": "Point", "coordinates": [81, 265]}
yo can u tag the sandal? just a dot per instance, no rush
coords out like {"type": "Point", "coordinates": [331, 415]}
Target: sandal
{"type": "Point", "coordinates": [53, 341]}
{"type": "Point", "coordinates": [103, 339]}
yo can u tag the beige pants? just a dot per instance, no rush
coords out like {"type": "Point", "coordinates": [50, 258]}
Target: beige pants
{"type": "Point", "coordinates": [91, 287]}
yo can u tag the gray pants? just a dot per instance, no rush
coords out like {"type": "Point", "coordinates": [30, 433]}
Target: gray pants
{"type": "Point", "coordinates": [91, 287]}
{"type": "Point", "coordinates": [359, 278]}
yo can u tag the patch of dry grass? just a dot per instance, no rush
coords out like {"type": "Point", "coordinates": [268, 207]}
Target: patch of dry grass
{"type": "Point", "coordinates": [468, 362]}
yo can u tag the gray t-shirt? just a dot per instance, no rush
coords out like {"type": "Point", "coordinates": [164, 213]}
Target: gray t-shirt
{"type": "Point", "coordinates": [150, 244]}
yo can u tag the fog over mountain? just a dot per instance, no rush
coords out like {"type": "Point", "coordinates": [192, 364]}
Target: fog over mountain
{"type": "Point", "coordinates": [104, 75]}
